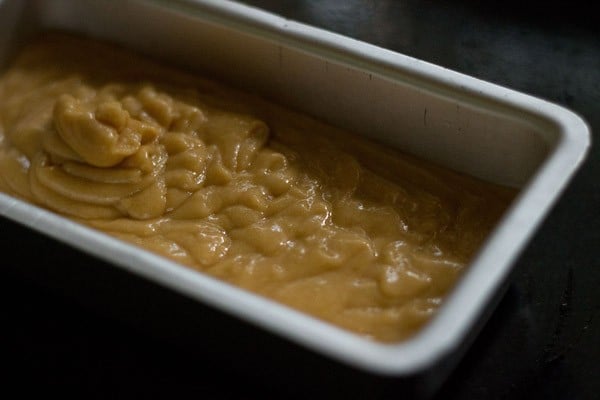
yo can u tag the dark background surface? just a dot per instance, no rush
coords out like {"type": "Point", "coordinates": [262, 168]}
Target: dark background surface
{"type": "Point", "coordinates": [60, 335]}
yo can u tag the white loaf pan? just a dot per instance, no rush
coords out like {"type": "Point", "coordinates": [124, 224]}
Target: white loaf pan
{"type": "Point", "coordinates": [472, 126]}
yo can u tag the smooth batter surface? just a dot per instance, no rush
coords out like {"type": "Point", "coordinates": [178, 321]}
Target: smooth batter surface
{"type": "Point", "coordinates": [237, 187]}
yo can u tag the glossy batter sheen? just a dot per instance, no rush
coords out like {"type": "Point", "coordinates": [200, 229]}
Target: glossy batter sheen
{"type": "Point", "coordinates": [238, 188]}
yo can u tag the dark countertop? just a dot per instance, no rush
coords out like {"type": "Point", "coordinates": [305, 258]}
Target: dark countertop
{"type": "Point", "coordinates": [543, 341]}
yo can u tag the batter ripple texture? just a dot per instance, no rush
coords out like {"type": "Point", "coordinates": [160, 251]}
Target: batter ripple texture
{"type": "Point", "coordinates": [234, 186]}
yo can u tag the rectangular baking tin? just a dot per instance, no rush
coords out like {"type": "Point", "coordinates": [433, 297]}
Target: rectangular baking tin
{"type": "Point", "coordinates": [472, 126]}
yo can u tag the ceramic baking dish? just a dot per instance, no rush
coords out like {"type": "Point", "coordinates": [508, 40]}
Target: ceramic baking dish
{"type": "Point", "coordinates": [463, 123]}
